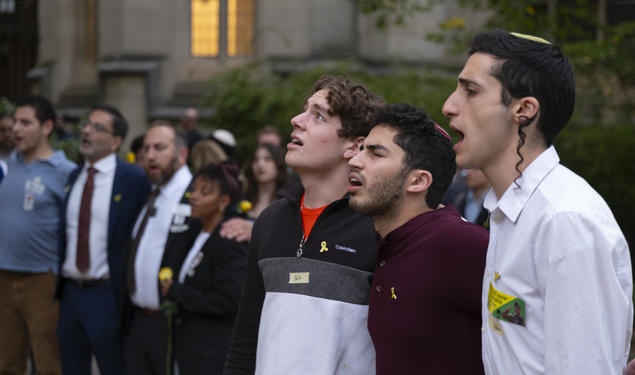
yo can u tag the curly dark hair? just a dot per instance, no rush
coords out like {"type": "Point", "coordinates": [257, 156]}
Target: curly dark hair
{"type": "Point", "coordinates": [226, 173]}
{"type": "Point", "coordinates": [426, 145]}
{"type": "Point", "coordinates": [352, 102]}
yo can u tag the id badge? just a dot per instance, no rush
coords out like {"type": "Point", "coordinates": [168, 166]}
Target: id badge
{"type": "Point", "coordinates": [29, 202]}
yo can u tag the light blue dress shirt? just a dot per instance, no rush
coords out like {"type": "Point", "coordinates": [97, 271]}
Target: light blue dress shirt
{"type": "Point", "coordinates": [31, 199]}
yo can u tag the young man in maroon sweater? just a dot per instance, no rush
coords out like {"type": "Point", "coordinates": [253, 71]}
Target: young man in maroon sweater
{"type": "Point", "coordinates": [425, 304]}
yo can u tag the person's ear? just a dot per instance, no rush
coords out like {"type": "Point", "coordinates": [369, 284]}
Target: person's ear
{"type": "Point", "coordinates": [418, 181]}
{"type": "Point", "coordinates": [526, 108]}
{"type": "Point", "coordinates": [224, 202]}
{"type": "Point", "coordinates": [353, 148]}
{"type": "Point", "coordinates": [47, 127]}
{"type": "Point", "coordinates": [182, 155]}
{"type": "Point", "coordinates": [116, 143]}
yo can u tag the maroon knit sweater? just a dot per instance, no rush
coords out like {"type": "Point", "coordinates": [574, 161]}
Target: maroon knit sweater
{"type": "Point", "coordinates": [425, 302]}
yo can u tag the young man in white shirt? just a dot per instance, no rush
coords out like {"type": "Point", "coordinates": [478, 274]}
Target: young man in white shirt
{"type": "Point", "coordinates": [557, 290]}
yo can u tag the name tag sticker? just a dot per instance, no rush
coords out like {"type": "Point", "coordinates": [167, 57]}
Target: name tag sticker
{"type": "Point", "coordinates": [298, 277]}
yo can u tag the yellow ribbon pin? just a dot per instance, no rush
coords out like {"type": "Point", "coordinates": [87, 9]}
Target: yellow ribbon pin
{"type": "Point", "coordinates": [392, 293]}
{"type": "Point", "coordinates": [187, 194]}
{"type": "Point", "coordinates": [497, 276]}
{"type": "Point", "coordinates": [117, 197]}
{"type": "Point", "coordinates": [324, 248]}
{"type": "Point", "coordinates": [131, 157]}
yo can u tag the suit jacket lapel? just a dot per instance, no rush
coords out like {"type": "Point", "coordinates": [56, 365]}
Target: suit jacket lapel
{"type": "Point", "coordinates": [118, 190]}
{"type": "Point", "coordinates": [62, 223]}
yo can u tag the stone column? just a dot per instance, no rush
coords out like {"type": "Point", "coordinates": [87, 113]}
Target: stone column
{"type": "Point", "coordinates": [128, 93]}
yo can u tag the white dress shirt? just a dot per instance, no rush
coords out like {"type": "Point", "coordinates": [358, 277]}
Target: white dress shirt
{"type": "Point", "coordinates": [555, 248]}
{"type": "Point", "coordinates": [99, 215]}
{"type": "Point", "coordinates": [170, 215]}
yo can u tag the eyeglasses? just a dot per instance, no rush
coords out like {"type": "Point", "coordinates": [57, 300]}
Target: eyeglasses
{"type": "Point", "coordinates": [96, 126]}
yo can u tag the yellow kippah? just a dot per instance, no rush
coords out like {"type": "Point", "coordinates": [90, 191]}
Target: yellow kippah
{"type": "Point", "coordinates": [531, 37]}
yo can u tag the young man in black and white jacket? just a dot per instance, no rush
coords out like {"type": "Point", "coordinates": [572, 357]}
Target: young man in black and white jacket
{"type": "Point", "coordinates": [305, 304]}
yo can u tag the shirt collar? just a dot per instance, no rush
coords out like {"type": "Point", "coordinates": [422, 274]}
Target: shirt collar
{"type": "Point", "coordinates": [413, 225]}
{"type": "Point", "coordinates": [515, 198]}
{"type": "Point", "coordinates": [56, 159]}
{"type": "Point", "coordinates": [103, 165]}
{"type": "Point", "coordinates": [180, 177]}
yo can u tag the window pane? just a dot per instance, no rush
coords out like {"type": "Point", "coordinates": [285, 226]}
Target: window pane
{"type": "Point", "coordinates": [204, 27]}
{"type": "Point", "coordinates": [240, 21]}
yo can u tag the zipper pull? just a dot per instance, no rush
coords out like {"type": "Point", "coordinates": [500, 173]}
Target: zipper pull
{"type": "Point", "coordinates": [298, 253]}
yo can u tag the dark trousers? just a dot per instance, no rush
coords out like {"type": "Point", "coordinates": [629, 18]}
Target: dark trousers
{"type": "Point", "coordinates": [201, 343]}
{"type": "Point", "coordinates": [145, 345]}
{"type": "Point", "coordinates": [89, 323]}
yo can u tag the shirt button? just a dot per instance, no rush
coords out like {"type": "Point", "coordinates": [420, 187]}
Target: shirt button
{"type": "Point", "coordinates": [498, 217]}
{"type": "Point", "coordinates": [378, 288]}
{"type": "Point", "coordinates": [482, 329]}
{"type": "Point", "coordinates": [382, 263]}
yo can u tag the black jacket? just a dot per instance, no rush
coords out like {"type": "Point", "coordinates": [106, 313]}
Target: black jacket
{"type": "Point", "coordinates": [208, 298]}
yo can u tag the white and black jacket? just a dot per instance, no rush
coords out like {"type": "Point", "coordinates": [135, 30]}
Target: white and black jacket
{"type": "Point", "coordinates": [307, 314]}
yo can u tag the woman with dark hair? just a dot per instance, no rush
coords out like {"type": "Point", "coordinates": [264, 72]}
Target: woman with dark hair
{"type": "Point", "coordinates": [208, 274]}
{"type": "Point", "coordinates": [266, 174]}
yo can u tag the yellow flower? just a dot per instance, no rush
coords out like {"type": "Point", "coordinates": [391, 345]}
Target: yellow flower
{"type": "Point", "coordinates": [245, 205]}
{"type": "Point", "coordinates": [165, 274]}
{"type": "Point", "coordinates": [130, 157]}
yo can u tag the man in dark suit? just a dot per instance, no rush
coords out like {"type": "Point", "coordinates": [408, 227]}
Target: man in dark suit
{"type": "Point", "coordinates": [104, 197]}
{"type": "Point", "coordinates": [469, 200]}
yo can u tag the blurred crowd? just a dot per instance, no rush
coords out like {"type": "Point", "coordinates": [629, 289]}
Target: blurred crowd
{"type": "Point", "coordinates": [83, 244]}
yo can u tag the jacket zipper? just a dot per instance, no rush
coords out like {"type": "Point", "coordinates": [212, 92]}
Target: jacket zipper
{"type": "Point", "coordinates": [303, 240]}
{"type": "Point", "coordinates": [298, 253]}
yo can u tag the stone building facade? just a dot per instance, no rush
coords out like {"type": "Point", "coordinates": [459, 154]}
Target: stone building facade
{"type": "Point", "coordinates": [152, 58]}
